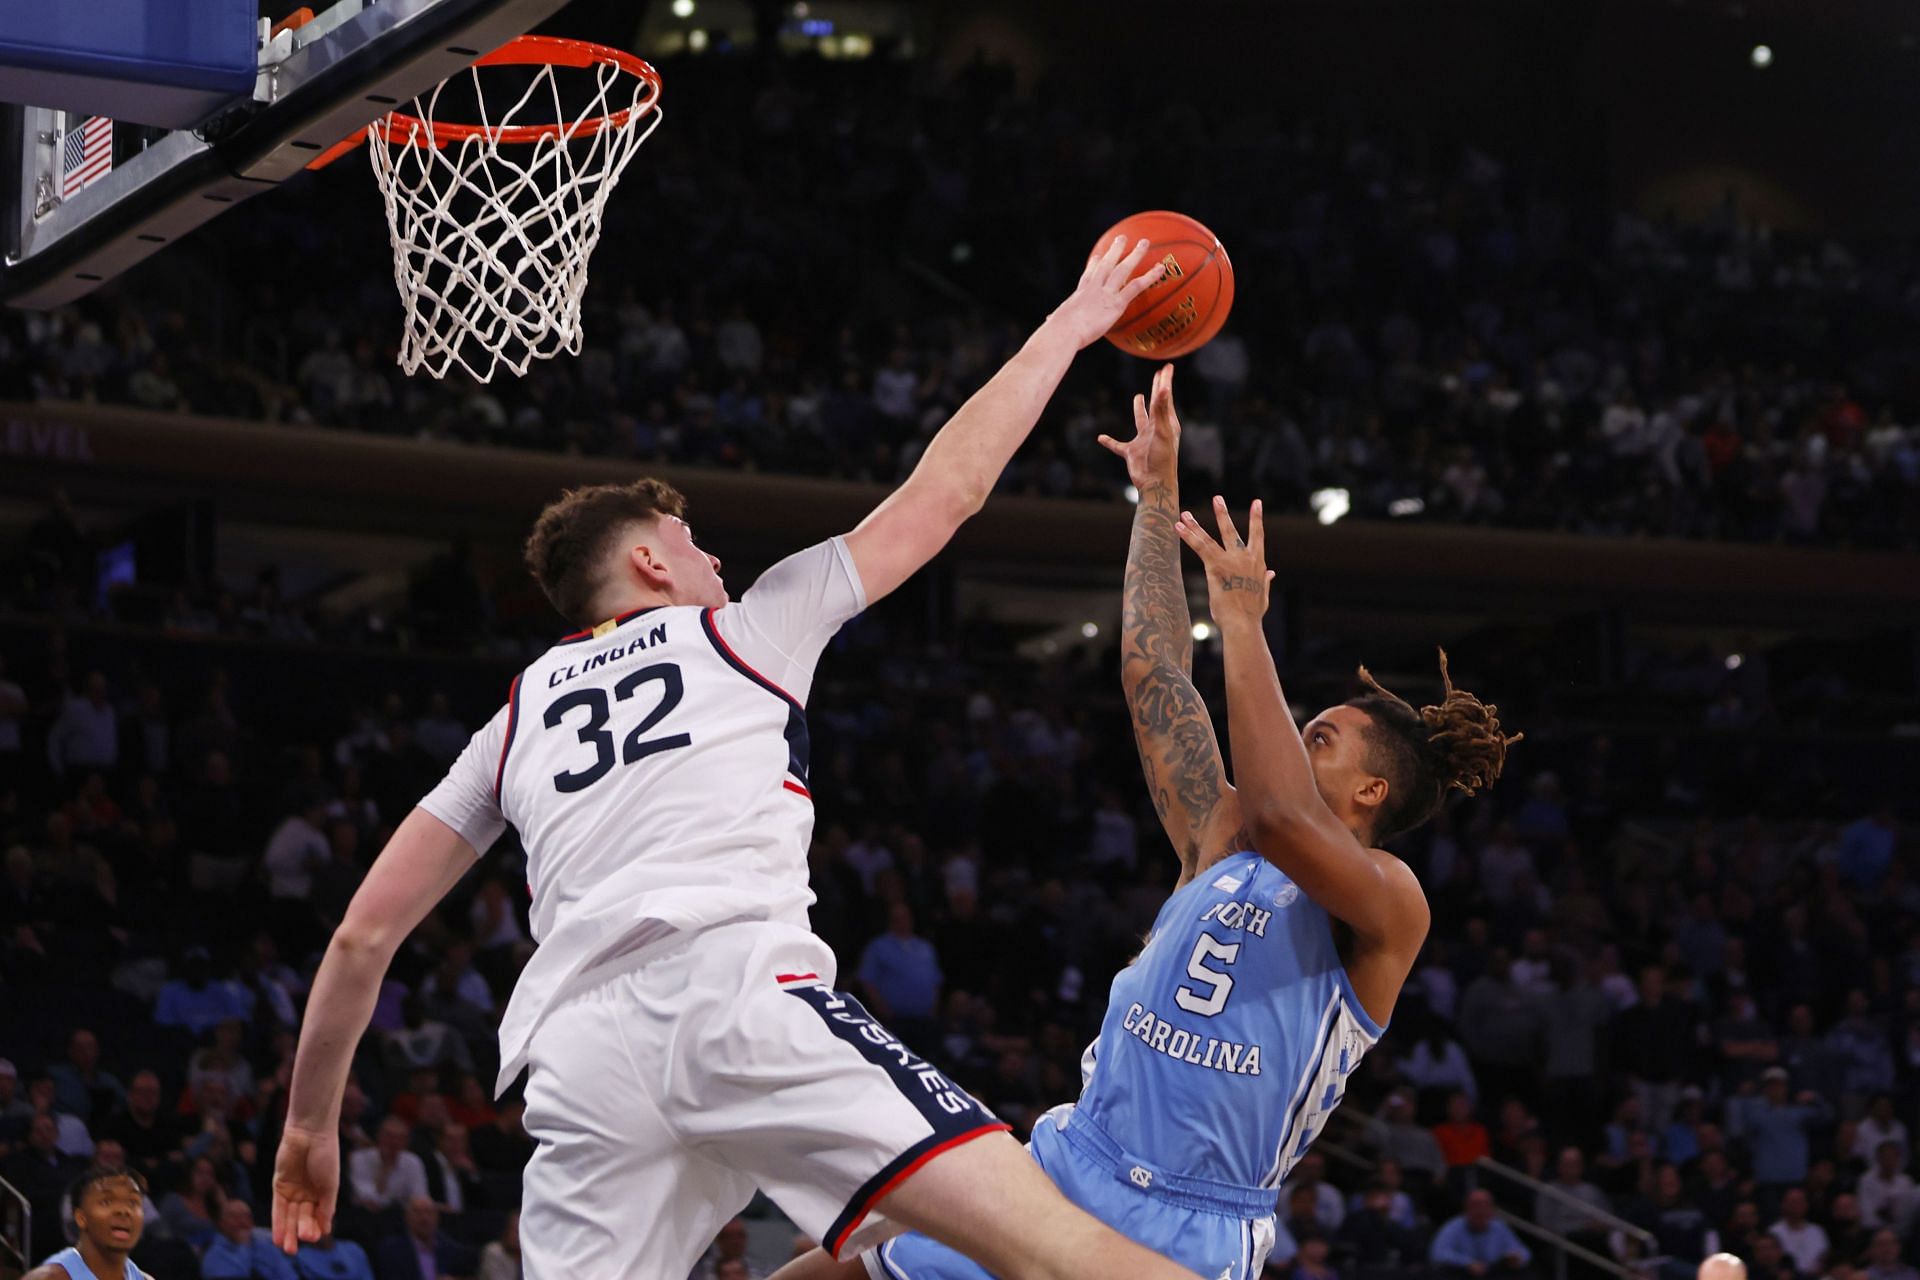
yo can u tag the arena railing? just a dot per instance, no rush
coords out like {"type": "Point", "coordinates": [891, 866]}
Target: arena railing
{"type": "Point", "coordinates": [16, 1230]}
{"type": "Point", "coordinates": [1563, 1248]}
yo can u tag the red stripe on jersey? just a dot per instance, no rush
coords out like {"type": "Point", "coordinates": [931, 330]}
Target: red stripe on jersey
{"type": "Point", "coordinates": [860, 1215]}
{"type": "Point", "coordinates": [793, 977]}
{"type": "Point", "coordinates": [513, 718]}
{"type": "Point", "coordinates": [713, 629]}
{"type": "Point", "coordinates": [796, 788]}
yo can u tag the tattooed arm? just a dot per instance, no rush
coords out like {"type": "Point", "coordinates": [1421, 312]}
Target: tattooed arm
{"type": "Point", "coordinates": [1179, 754]}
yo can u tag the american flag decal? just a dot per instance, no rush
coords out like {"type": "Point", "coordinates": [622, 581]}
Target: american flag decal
{"type": "Point", "coordinates": [86, 155]}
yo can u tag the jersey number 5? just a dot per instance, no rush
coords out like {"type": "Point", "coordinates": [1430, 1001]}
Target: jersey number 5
{"type": "Point", "coordinates": [594, 732]}
{"type": "Point", "coordinates": [1219, 985]}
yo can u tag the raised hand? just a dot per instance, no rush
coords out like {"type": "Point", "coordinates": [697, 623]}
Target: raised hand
{"type": "Point", "coordinates": [1237, 573]}
{"type": "Point", "coordinates": [1107, 288]}
{"type": "Point", "coordinates": [1153, 455]}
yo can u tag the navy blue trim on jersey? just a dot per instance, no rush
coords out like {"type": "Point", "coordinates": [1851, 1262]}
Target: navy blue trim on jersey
{"type": "Point", "coordinates": [620, 621]}
{"type": "Point", "coordinates": [513, 721]}
{"type": "Point", "coordinates": [954, 1115]}
{"type": "Point", "coordinates": [799, 740]}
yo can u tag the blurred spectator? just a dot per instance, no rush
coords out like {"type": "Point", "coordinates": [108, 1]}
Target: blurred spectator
{"type": "Point", "coordinates": [500, 1260]}
{"type": "Point", "coordinates": [728, 1248]}
{"type": "Point", "coordinates": [1462, 1138]}
{"type": "Point", "coordinates": [1879, 1125]}
{"type": "Point", "coordinates": [196, 1000]}
{"type": "Point", "coordinates": [1476, 1243]}
{"type": "Point", "coordinates": [149, 1135]}
{"type": "Point", "coordinates": [1566, 1206]}
{"type": "Point", "coordinates": [87, 734]}
{"type": "Point", "coordinates": [421, 1250]}
{"type": "Point", "coordinates": [387, 1173]}
{"type": "Point", "coordinates": [1776, 1129]}
{"type": "Point", "coordinates": [80, 1085]}
{"type": "Point", "coordinates": [1410, 1146]}
{"type": "Point", "coordinates": [331, 1258]}
{"type": "Point", "coordinates": [1372, 1237]}
{"type": "Point", "coordinates": [1884, 1261]}
{"type": "Point", "coordinates": [900, 974]}
{"type": "Point", "coordinates": [1887, 1194]}
{"type": "Point", "coordinates": [1805, 1242]}
{"type": "Point", "coordinates": [192, 1211]}
{"type": "Point", "coordinates": [242, 1251]}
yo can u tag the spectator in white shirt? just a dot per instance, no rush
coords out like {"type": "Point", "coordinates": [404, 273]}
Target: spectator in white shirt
{"type": "Point", "coordinates": [387, 1174]}
{"type": "Point", "coordinates": [297, 848]}
{"type": "Point", "coordinates": [1803, 1241]}
{"type": "Point", "coordinates": [87, 734]}
{"type": "Point", "coordinates": [1888, 1196]}
{"type": "Point", "coordinates": [1880, 1125]}
{"type": "Point", "coordinates": [894, 387]}
{"type": "Point", "coordinates": [1438, 1062]}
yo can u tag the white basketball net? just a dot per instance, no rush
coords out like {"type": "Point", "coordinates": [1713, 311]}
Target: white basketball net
{"type": "Point", "coordinates": [491, 233]}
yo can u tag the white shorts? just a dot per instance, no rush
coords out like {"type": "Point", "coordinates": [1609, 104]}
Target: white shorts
{"type": "Point", "coordinates": [663, 1094]}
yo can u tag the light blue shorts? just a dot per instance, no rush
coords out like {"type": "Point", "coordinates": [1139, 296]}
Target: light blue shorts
{"type": "Point", "coordinates": [1220, 1231]}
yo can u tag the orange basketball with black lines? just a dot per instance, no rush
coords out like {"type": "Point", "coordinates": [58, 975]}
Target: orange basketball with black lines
{"type": "Point", "coordinates": [1183, 312]}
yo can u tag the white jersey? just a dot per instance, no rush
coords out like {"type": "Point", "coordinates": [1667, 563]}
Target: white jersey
{"type": "Point", "coordinates": [656, 770]}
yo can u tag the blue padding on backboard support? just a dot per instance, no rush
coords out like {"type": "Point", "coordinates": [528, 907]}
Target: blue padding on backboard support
{"type": "Point", "coordinates": [161, 62]}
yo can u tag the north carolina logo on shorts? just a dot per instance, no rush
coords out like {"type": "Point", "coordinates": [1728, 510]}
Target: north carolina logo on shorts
{"type": "Point", "coordinates": [1141, 1178]}
{"type": "Point", "coordinates": [1285, 894]}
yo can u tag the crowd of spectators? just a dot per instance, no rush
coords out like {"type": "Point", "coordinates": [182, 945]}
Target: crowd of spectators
{"type": "Point", "coordinates": [1440, 334]}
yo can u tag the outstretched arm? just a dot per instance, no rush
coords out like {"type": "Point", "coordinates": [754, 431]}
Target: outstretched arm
{"type": "Point", "coordinates": [1179, 755]}
{"type": "Point", "coordinates": [965, 458]}
{"type": "Point", "coordinates": [1373, 893]}
{"type": "Point", "coordinates": [420, 864]}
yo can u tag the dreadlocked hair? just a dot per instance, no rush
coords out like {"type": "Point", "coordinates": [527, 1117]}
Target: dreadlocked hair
{"type": "Point", "coordinates": [1428, 754]}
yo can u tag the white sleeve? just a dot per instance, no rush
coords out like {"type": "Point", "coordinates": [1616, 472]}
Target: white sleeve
{"type": "Point", "coordinates": [786, 618]}
{"type": "Point", "coordinates": [465, 799]}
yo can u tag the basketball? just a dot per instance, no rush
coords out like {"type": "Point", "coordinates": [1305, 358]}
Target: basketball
{"type": "Point", "coordinates": [1180, 314]}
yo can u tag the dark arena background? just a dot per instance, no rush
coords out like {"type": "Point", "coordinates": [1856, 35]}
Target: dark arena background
{"type": "Point", "coordinates": [1581, 338]}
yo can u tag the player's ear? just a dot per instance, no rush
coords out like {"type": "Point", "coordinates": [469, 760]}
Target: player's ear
{"type": "Point", "coordinates": [1371, 793]}
{"type": "Point", "coordinates": [646, 563]}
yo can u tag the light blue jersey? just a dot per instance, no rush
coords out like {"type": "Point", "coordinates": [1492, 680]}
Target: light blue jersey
{"type": "Point", "coordinates": [70, 1261]}
{"type": "Point", "coordinates": [1229, 1040]}
{"type": "Point", "coordinates": [1226, 1045]}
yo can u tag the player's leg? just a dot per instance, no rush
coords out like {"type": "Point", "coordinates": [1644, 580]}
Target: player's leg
{"type": "Point", "coordinates": [820, 1265]}
{"type": "Point", "coordinates": [609, 1191]}
{"type": "Point", "coordinates": [989, 1200]}
{"type": "Point", "coordinates": [770, 1078]}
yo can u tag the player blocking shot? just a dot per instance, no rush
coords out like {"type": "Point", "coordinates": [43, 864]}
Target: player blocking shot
{"type": "Point", "coordinates": [1275, 964]}
{"type": "Point", "coordinates": [679, 1023]}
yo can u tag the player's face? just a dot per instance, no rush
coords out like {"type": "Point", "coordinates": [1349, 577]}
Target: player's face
{"type": "Point", "coordinates": [1337, 750]}
{"type": "Point", "coordinates": [110, 1215]}
{"type": "Point", "coordinates": [696, 575]}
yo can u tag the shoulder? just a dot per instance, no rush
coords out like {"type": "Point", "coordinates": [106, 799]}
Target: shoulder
{"type": "Point", "coordinates": [47, 1271]}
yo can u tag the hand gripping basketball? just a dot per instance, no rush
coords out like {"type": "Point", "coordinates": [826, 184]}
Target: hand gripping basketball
{"type": "Point", "coordinates": [1107, 287]}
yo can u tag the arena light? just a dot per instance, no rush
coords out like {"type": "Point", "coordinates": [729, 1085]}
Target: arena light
{"type": "Point", "coordinates": [1330, 504]}
{"type": "Point", "coordinates": [1089, 629]}
{"type": "Point", "coordinates": [1735, 661]}
{"type": "Point", "coordinates": [683, 8]}
{"type": "Point", "coordinates": [1406, 507]}
{"type": "Point", "coordinates": [1762, 57]}
{"type": "Point", "coordinates": [1203, 631]}
{"type": "Point", "coordinates": [697, 40]}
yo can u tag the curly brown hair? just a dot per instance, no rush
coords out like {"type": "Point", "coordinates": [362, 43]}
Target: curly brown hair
{"type": "Point", "coordinates": [1428, 754]}
{"type": "Point", "coordinates": [571, 539]}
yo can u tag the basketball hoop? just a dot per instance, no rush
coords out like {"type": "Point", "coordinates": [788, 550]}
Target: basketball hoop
{"type": "Point", "coordinates": [492, 222]}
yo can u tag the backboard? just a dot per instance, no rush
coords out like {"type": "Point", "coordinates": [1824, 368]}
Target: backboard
{"type": "Point", "coordinates": [85, 195]}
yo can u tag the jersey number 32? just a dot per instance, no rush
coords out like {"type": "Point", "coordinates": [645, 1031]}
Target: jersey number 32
{"type": "Point", "coordinates": [594, 732]}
